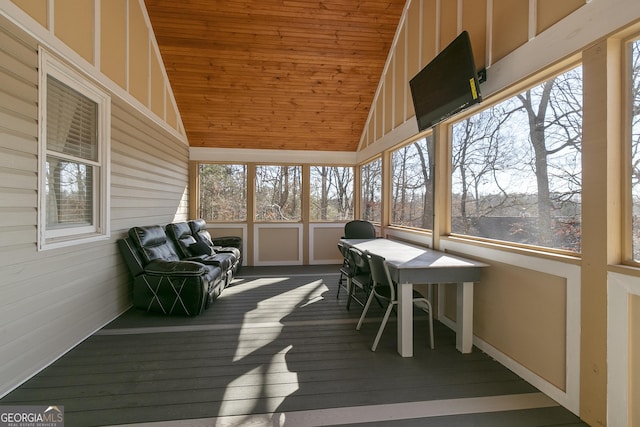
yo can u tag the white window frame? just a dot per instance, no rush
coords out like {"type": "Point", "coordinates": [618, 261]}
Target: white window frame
{"type": "Point", "coordinates": [100, 230]}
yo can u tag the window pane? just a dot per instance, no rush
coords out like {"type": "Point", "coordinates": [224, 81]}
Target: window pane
{"type": "Point", "coordinates": [278, 193]}
{"type": "Point", "coordinates": [371, 175]}
{"type": "Point", "coordinates": [223, 192]}
{"type": "Point", "coordinates": [635, 146]}
{"type": "Point", "coordinates": [69, 194]}
{"type": "Point", "coordinates": [72, 122]}
{"type": "Point", "coordinates": [331, 190]}
{"type": "Point", "coordinates": [517, 167]}
{"type": "Point", "coordinates": [412, 184]}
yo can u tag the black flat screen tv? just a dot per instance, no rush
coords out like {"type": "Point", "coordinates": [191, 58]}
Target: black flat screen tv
{"type": "Point", "coordinates": [446, 85]}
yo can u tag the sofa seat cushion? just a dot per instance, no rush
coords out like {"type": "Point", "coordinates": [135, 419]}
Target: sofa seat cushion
{"type": "Point", "coordinates": [225, 261]}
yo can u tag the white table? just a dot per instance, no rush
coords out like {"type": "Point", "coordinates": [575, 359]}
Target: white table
{"type": "Point", "coordinates": [410, 265]}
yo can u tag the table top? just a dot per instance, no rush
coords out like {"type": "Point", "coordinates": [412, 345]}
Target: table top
{"type": "Point", "coordinates": [414, 264]}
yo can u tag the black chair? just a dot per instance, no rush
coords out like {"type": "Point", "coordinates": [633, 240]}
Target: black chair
{"type": "Point", "coordinates": [360, 276]}
{"type": "Point", "coordinates": [385, 289]}
{"type": "Point", "coordinates": [359, 229]}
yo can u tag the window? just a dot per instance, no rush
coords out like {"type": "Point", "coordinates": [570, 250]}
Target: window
{"type": "Point", "coordinates": [73, 153]}
{"type": "Point", "coordinates": [412, 184]}
{"type": "Point", "coordinates": [517, 167]}
{"type": "Point", "coordinates": [278, 193]}
{"type": "Point", "coordinates": [635, 147]}
{"type": "Point", "coordinates": [371, 179]}
{"type": "Point", "coordinates": [331, 190]}
{"type": "Point", "coordinates": [223, 192]}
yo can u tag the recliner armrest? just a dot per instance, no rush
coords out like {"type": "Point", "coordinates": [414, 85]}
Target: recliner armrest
{"type": "Point", "coordinates": [175, 268]}
{"type": "Point", "coordinates": [229, 241]}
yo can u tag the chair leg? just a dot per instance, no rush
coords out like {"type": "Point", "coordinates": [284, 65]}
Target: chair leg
{"type": "Point", "coordinates": [340, 285]}
{"type": "Point", "coordinates": [350, 292]}
{"type": "Point", "coordinates": [382, 325]}
{"type": "Point", "coordinates": [431, 328]}
{"type": "Point", "coordinates": [364, 311]}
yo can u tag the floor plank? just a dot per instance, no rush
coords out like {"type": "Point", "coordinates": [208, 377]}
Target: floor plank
{"type": "Point", "coordinates": [280, 349]}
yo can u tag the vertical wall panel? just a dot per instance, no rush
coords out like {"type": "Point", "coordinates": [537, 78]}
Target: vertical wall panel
{"type": "Point", "coordinates": [474, 21]}
{"type": "Point", "coordinates": [37, 9]}
{"type": "Point", "coordinates": [113, 40]}
{"type": "Point", "coordinates": [551, 11]}
{"type": "Point", "coordinates": [428, 36]}
{"type": "Point", "coordinates": [73, 24]}
{"type": "Point", "coordinates": [138, 54]}
{"type": "Point", "coordinates": [157, 86]}
{"type": "Point", "coordinates": [448, 22]}
{"type": "Point", "coordinates": [401, 82]}
{"type": "Point", "coordinates": [534, 340]}
{"type": "Point", "coordinates": [171, 116]}
{"type": "Point", "coordinates": [388, 98]}
{"type": "Point", "coordinates": [412, 31]}
{"type": "Point", "coordinates": [510, 26]}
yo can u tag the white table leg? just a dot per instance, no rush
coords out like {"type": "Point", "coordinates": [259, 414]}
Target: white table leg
{"type": "Point", "coordinates": [464, 315]}
{"type": "Point", "coordinates": [405, 319]}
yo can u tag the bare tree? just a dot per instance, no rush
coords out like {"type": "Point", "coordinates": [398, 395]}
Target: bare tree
{"type": "Point", "coordinates": [331, 193]}
{"type": "Point", "coordinates": [371, 190]}
{"type": "Point", "coordinates": [554, 113]}
{"type": "Point", "coordinates": [521, 159]}
{"type": "Point", "coordinates": [412, 167]}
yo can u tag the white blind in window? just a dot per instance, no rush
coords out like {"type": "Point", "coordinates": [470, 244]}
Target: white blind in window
{"type": "Point", "coordinates": [72, 142]}
{"type": "Point", "coordinates": [72, 120]}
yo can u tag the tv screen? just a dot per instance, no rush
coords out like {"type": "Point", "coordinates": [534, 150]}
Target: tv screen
{"type": "Point", "coordinates": [446, 85]}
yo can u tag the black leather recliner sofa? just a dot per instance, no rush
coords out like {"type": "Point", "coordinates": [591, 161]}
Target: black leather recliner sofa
{"type": "Point", "coordinates": [179, 269]}
{"type": "Point", "coordinates": [162, 281]}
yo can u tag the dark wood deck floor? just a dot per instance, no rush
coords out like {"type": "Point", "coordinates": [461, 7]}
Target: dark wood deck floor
{"type": "Point", "coordinates": [278, 348]}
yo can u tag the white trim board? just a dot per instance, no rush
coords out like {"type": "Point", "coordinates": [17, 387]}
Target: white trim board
{"type": "Point", "coordinates": [370, 413]}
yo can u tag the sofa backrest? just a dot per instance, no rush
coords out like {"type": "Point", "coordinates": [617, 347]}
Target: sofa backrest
{"type": "Point", "coordinates": [152, 243]}
{"type": "Point", "coordinates": [180, 233]}
{"type": "Point", "coordinates": [199, 231]}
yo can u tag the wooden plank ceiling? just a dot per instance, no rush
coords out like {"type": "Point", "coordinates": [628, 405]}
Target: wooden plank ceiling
{"type": "Point", "coordinates": [274, 74]}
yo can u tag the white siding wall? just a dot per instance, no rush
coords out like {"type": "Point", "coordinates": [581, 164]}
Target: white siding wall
{"type": "Point", "coordinates": [52, 300]}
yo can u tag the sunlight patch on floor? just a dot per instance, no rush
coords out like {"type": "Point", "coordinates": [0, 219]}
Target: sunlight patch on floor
{"type": "Point", "coordinates": [276, 309]}
{"type": "Point", "coordinates": [269, 393]}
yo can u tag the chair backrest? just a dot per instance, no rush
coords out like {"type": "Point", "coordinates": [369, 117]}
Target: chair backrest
{"type": "Point", "coordinates": [358, 261]}
{"type": "Point", "coordinates": [343, 250]}
{"type": "Point", "coordinates": [152, 243]}
{"type": "Point", "coordinates": [380, 273]}
{"type": "Point", "coordinates": [359, 229]}
{"type": "Point", "coordinates": [346, 268]}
